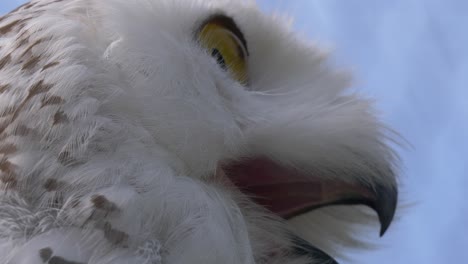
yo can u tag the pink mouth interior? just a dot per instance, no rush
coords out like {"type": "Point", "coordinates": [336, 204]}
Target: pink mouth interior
{"type": "Point", "coordinates": [286, 192]}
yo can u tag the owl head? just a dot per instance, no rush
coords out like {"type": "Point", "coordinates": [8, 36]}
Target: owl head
{"type": "Point", "coordinates": [239, 98]}
{"type": "Point", "coordinates": [229, 138]}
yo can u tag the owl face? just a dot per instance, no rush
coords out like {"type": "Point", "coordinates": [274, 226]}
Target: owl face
{"type": "Point", "coordinates": [234, 93]}
{"type": "Point", "coordinates": [225, 135]}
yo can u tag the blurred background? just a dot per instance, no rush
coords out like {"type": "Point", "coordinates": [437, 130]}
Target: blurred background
{"type": "Point", "coordinates": [412, 56]}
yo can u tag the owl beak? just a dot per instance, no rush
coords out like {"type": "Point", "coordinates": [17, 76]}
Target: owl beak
{"type": "Point", "coordinates": [288, 192]}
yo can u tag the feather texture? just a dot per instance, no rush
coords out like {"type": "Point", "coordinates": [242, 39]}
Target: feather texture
{"type": "Point", "coordinates": [113, 121]}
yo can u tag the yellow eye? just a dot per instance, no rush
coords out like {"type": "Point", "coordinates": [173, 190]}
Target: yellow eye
{"type": "Point", "coordinates": [224, 41]}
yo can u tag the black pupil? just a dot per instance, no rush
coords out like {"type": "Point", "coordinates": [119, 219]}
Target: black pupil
{"type": "Point", "coordinates": [219, 58]}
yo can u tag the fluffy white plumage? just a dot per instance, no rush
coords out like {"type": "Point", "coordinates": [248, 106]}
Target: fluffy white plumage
{"type": "Point", "coordinates": [114, 120]}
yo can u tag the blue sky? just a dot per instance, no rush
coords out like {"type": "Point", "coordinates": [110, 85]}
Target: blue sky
{"type": "Point", "coordinates": [411, 55]}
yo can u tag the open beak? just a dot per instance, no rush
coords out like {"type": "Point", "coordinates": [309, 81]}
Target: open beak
{"type": "Point", "coordinates": [288, 192]}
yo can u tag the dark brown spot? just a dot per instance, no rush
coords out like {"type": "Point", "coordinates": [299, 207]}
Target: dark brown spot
{"type": "Point", "coordinates": [4, 87]}
{"type": "Point", "coordinates": [51, 185]}
{"type": "Point", "coordinates": [6, 166]}
{"type": "Point", "coordinates": [52, 100]}
{"type": "Point", "coordinates": [8, 149]}
{"type": "Point", "coordinates": [49, 65]}
{"type": "Point", "coordinates": [8, 27]}
{"type": "Point", "coordinates": [38, 88]}
{"type": "Point", "coordinates": [45, 254]}
{"type": "Point", "coordinates": [113, 235]}
{"type": "Point", "coordinates": [9, 180]}
{"type": "Point", "coordinates": [31, 63]}
{"type": "Point", "coordinates": [60, 118]}
{"type": "Point", "coordinates": [101, 202]}
{"type": "Point", "coordinates": [4, 61]}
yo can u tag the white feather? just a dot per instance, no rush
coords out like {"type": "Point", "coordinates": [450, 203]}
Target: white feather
{"type": "Point", "coordinates": [141, 119]}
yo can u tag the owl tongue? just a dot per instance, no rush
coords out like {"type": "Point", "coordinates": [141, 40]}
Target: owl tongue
{"type": "Point", "coordinates": [288, 192]}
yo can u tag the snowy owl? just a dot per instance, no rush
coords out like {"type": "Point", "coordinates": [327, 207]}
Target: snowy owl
{"type": "Point", "coordinates": [180, 131]}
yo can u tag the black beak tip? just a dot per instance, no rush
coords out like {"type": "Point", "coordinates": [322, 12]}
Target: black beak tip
{"type": "Point", "coordinates": [385, 206]}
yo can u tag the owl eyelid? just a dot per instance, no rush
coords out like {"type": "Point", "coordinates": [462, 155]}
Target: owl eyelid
{"type": "Point", "coordinates": [228, 24]}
